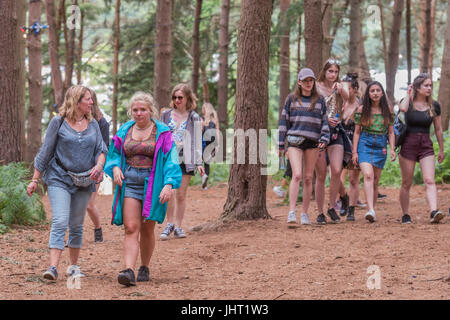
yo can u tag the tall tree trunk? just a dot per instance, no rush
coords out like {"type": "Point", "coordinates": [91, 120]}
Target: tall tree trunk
{"type": "Point", "coordinates": [57, 82]}
{"type": "Point", "coordinates": [10, 127]}
{"type": "Point", "coordinates": [408, 39]}
{"type": "Point", "coordinates": [196, 47]}
{"type": "Point", "coordinates": [163, 52]}
{"type": "Point", "coordinates": [246, 198]}
{"type": "Point", "coordinates": [338, 21]}
{"type": "Point", "coordinates": [21, 10]}
{"type": "Point", "coordinates": [80, 47]}
{"type": "Point", "coordinates": [383, 35]}
{"type": "Point", "coordinates": [444, 87]}
{"type": "Point", "coordinates": [34, 128]}
{"type": "Point", "coordinates": [394, 49]}
{"type": "Point", "coordinates": [299, 38]}
{"type": "Point", "coordinates": [313, 35]}
{"type": "Point", "coordinates": [204, 86]}
{"type": "Point", "coordinates": [426, 43]}
{"type": "Point", "coordinates": [70, 51]}
{"type": "Point", "coordinates": [116, 66]}
{"type": "Point", "coordinates": [327, 15]}
{"type": "Point", "coordinates": [222, 92]}
{"type": "Point", "coordinates": [284, 55]}
{"type": "Point", "coordinates": [355, 34]}
{"type": "Point", "coordinates": [364, 69]}
{"type": "Point", "coordinates": [432, 35]}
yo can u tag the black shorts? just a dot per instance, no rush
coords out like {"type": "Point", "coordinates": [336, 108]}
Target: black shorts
{"type": "Point", "coordinates": [307, 144]}
{"type": "Point", "coordinates": [184, 172]}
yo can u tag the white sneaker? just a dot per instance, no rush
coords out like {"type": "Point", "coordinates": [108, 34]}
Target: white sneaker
{"type": "Point", "coordinates": [74, 271]}
{"type": "Point", "coordinates": [292, 217]}
{"type": "Point", "coordinates": [370, 216]}
{"type": "Point", "coordinates": [279, 191]}
{"type": "Point", "coordinates": [304, 219]}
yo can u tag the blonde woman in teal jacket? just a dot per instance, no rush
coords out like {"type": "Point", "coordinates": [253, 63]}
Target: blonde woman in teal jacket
{"type": "Point", "coordinates": [143, 162]}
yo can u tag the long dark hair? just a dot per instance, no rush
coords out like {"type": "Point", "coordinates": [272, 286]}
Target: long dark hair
{"type": "Point", "coordinates": [366, 119]}
{"type": "Point", "coordinates": [327, 65]}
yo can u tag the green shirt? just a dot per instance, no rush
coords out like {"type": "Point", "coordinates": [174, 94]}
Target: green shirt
{"type": "Point", "coordinates": [377, 126]}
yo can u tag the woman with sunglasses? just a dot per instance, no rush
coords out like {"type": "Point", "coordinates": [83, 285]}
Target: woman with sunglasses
{"type": "Point", "coordinates": [373, 120]}
{"type": "Point", "coordinates": [303, 123]}
{"type": "Point", "coordinates": [186, 127]}
{"type": "Point", "coordinates": [329, 86]}
{"type": "Point", "coordinates": [420, 112]}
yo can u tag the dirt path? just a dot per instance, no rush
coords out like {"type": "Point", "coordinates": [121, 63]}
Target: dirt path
{"type": "Point", "coordinates": [251, 259]}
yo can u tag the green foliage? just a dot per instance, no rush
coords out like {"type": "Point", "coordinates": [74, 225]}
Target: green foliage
{"type": "Point", "coordinates": [16, 207]}
{"type": "Point", "coordinates": [218, 172]}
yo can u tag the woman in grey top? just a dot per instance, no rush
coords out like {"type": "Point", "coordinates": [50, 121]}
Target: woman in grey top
{"type": "Point", "coordinates": [73, 143]}
{"type": "Point", "coordinates": [186, 127]}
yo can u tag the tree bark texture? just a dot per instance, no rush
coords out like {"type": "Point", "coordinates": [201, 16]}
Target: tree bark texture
{"type": "Point", "coordinates": [364, 69]}
{"type": "Point", "coordinates": [35, 109]}
{"type": "Point", "coordinates": [299, 39]}
{"type": "Point", "coordinates": [426, 43]}
{"type": "Point", "coordinates": [246, 198]}
{"type": "Point", "coordinates": [57, 82]}
{"type": "Point", "coordinates": [10, 127]}
{"type": "Point", "coordinates": [163, 53]}
{"type": "Point", "coordinates": [196, 47]}
{"type": "Point", "coordinates": [70, 51]}
{"type": "Point", "coordinates": [80, 47]}
{"type": "Point", "coordinates": [444, 87]}
{"type": "Point", "coordinates": [408, 39]}
{"type": "Point", "coordinates": [355, 35]}
{"type": "Point", "coordinates": [21, 9]}
{"type": "Point", "coordinates": [394, 49]}
{"type": "Point", "coordinates": [116, 66]}
{"type": "Point", "coordinates": [313, 35]}
{"type": "Point", "coordinates": [383, 35]}
{"type": "Point", "coordinates": [284, 55]}
{"type": "Point", "coordinates": [222, 92]}
{"type": "Point", "coordinates": [327, 15]}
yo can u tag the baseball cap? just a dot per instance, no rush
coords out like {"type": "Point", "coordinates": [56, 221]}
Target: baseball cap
{"type": "Point", "coordinates": [306, 73]}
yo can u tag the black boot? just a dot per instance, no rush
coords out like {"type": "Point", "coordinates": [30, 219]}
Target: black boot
{"type": "Point", "coordinates": [351, 213]}
{"type": "Point", "coordinates": [344, 204]}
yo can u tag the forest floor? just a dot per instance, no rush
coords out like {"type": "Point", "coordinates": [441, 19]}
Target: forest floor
{"type": "Point", "coordinates": [261, 260]}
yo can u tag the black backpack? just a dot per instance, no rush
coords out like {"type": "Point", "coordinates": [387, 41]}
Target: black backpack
{"type": "Point", "coordinates": [399, 130]}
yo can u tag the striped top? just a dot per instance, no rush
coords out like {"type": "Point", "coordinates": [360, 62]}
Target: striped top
{"type": "Point", "coordinates": [297, 120]}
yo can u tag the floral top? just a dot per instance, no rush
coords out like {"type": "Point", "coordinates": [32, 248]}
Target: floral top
{"type": "Point", "coordinates": [377, 124]}
{"type": "Point", "coordinates": [140, 153]}
{"type": "Point", "coordinates": [177, 133]}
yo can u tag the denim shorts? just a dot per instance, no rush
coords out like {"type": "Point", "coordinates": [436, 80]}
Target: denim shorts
{"type": "Point", "coordinates": [68, 210]}
{"type": "Point", "coordinates": [372, 148]}
{"type": "Point", "coordinates": [135, 182]}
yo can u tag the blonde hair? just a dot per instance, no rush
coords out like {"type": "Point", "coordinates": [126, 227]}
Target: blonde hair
{"type": "Point", "coordinates": [210, 114]}
{"type": "Point", "coordinates": [145, 98]}
{"type": "Point", "coordinates": [73, 96]}
{"type": "Point", "coordinates": [191, 103]}
{"type": "Point", "coordinates": [95, 110]}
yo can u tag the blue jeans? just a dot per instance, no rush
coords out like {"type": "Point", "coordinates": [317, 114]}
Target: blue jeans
{"type": "Point", "coordinates": [68, 210]}
{"type": "Point", "coordinates": [372, 148]}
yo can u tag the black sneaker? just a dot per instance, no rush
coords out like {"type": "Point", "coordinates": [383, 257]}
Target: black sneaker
{"type": "Point", "coordinates": [381, 196]}
{"type": "Point", "coordinates": [406, 219]}
{"type": "Point", "coordinates": [351, 213]}
{"type": "Point", "coordinates": [126, 277]}
{"type": "Point", "coordinates": [143, 274]}
{"type": "Point", "coordinates": [333, 215]}
{"type": "Point", "coordinates": [321, 219]}
{"type": "Point", "coordinates": [436, 216]}
{"type": "Point", "coordinates": [344, 205]}
{"type": "Point", "coordinates": [98, 235]}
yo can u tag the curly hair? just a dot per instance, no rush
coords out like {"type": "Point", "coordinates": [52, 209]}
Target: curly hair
{"type": "Point", "coordinates": [73, 96]}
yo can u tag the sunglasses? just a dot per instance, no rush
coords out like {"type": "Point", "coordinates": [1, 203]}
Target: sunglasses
{"type": "Point", "coordinates": [333, 61]}
{"type": "Point", "coordinates": [177, 98]}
